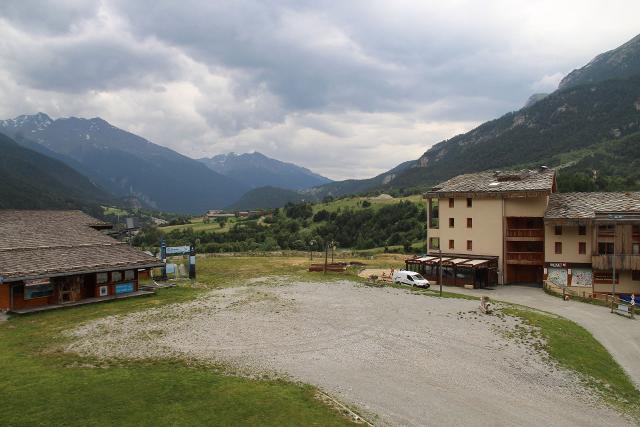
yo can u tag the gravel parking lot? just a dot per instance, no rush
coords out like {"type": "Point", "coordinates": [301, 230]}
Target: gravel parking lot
{"type": "Point", "coordinates": [398, 357]}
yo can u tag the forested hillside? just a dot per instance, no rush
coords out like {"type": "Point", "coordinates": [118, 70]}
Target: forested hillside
{"type": "Point", "coordinates": [30, 180]}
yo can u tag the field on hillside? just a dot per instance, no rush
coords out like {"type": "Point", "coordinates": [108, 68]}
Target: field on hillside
{"type": "Point", "coordinates": [356, 203]}
{"type": "Point", "coordinates": [197, 224]}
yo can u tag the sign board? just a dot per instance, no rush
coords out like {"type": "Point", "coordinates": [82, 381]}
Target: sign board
{"type": "Point", "coordinates": [171, 268]}
{"type": "Point", "coordinates": [104, 291]}
{"type": "Point", "coordinates": [558, 264]}
{"type": "Point", "coordinates": [37, 282]}
{"type": "Point", "coordinates": [174, 250]}
{"type": "Point", "coordinates": [123, 288]}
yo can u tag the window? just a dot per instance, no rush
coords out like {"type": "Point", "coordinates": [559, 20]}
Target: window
{"type": "Point", "coordinates": [469, 222]}
{"type": "Point", "coordinates": [129, 275]}
{"type": "Point", "coordinates": [434, 243]}
{"type": "Point", "coordinates": [451, 202]}
{"type": "Point", "coordinates": [116, 276]}
{"type": "Point", "coordinates": [451, 246]}
{"type": "Point", "coordinates": [558, 230]}
{"type": "Point", "coordinates": [582, 248]}
{"type": "Point", "coordinates": [558, 247]}
{"type": "Point", "coordinates": [582, 230]}
{"type": "Point", "coordinates": [635, 248]}
{"type": "Point", "coordinates": [102, 277]}
{"type": "Point", "coordinates": [469, 245]}
{"type": "Point", "coordinates": [451, 222]}
{"type": "Point", "coordinates": [38, 291]}
{"type": "Point", "coordinates": [635, 275]}
{"type": "Point", "coordinates": [605, 248]}
{"type": "Point", "coordinates": [469, 202]}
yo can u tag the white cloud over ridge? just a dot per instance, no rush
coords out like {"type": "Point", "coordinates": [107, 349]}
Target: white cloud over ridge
{"type": "Point", "coordinates": [348, 89]}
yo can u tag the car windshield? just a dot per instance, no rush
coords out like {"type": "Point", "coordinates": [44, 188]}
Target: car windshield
{"type": "Point", "coordinates": [418, 277]}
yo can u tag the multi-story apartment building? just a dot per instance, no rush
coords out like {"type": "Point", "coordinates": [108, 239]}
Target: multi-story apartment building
{"type": "Point", "coordinates": [516, 223]}
{"type": "Point", "coordinates": [493, 214]}
{"type": "Point", "coordinates": [592, 238]}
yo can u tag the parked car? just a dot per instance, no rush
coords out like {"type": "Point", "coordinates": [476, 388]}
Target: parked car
{"type": "Point", "coordinates": [410, 278]}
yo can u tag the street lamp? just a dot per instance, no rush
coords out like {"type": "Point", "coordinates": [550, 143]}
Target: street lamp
{"type": "Point", "coordinates": [311, 243]}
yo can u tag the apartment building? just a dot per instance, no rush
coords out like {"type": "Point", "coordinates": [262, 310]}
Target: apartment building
{"type": "Point", "coordinates": [493, 215]}
{"type": "Point", "coordinates": [592, 238]}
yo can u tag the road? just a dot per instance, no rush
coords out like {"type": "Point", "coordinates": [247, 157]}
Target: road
{"type": "Point", "coordinates": [618, 334]}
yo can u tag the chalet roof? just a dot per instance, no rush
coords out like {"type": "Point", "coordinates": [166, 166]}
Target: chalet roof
{"type": "Point", "coordinates": [496, 182]}
{"type": "Point", "coordinates": [54, 243]}
{"type": "Point", "coordinates": [587, 205]}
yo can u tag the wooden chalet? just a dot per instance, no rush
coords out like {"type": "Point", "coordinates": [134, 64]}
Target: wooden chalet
{"type": "Point", "coordinates": [51, 259]}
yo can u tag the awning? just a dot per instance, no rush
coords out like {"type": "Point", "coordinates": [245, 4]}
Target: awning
{"type": "Point", "coordinates": [475, 263]}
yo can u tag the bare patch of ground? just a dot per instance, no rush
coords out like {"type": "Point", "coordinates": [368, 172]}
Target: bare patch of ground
{"type": "Point", "coordinates": [402, 359]}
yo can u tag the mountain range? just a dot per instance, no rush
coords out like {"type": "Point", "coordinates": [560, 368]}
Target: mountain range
{"type": "Point", "coordinates": [595, 106]}
{"type": "Point", "coordinates": [257, 170]}
{"type": "Point", "coordinates": [588, 129]}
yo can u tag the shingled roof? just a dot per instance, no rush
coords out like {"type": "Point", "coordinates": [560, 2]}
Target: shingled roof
{"type": "Point", "coordinates": [587, 205]}
{"type": "Point", "coordinates": [54, 243]}
{"type": "Point", "coordinates": [496, 183]}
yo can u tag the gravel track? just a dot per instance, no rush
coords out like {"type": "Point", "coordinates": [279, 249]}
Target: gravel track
{"type": "Point", "coordinates": [401, 358]}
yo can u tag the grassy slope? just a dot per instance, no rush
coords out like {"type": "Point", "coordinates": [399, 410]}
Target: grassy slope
{"type": "Point", "coordinates": [574, 348]}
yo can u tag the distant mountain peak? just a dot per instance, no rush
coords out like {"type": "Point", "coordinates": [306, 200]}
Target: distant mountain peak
{"type": "Point", "coordinates": [618, 63]}
{"type": "Point", "coordinates": [258, 170]}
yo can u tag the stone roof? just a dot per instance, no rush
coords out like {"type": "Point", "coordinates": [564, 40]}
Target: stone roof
{"type": "Point", "coordinates": [496, 182]}
{"type": "Point", "coordinates": [586, 205]}
{"type": "Point", "coordinates": [53, 243]}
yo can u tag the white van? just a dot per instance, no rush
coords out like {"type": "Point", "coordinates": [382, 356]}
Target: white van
{"type": "Point", "coordinates": [410, 278]}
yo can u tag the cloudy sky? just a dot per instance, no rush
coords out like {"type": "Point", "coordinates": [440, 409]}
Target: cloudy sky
{"type": "Point", "coordinates": [347, 88]}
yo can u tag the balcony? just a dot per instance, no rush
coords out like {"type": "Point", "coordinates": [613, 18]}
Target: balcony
{"type": "Point", "coordinates": [525, 258]}
{"type": "Point", "coordinates": [622, 261]}
{"type": "Point", "coordinates": [525, 234]}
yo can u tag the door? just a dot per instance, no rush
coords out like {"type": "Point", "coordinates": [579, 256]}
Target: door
{"type": "Point", "coordinates": [70, 289]}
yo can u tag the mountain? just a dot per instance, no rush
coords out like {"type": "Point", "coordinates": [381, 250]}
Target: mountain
{"type": "Point", "coordinates": [257, 170]}
{"type": "Point", "coordinates": [126, 164]}
{"type": "Point", "coordinates": [355, 186]}
{"type": "Point", "coordinates": [618, 63]}
{"type": "Point", "coordinates": [266, 198]}
{"type": "Point", "coordinates": [31, 180]}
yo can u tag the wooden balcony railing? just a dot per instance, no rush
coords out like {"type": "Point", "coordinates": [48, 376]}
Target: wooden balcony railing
{"type": "Point", "coordinates": [528, 258]}
{"type": "Point", "coordinates": [622, 261]}
{"type": "Point", "coordinates": [526, 232]}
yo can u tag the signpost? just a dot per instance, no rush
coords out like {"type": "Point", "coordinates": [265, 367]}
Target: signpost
{"type": "Point", "coordinates": [178, 250]}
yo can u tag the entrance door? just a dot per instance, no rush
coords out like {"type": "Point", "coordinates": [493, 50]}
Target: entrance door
{"type": "Point", "coordinates": [70, 289]}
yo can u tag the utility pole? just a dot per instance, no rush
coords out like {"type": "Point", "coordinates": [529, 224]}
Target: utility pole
{"type": "Point", "coordinates": [613, 259]}
{"type": "Point", "coordinates": [440, 281]}
{"type": "Point", "coordinates": [326, 257]}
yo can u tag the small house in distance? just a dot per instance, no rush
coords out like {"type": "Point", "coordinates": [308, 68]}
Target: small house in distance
{"type": "Point", "coordinates": [50, 259]}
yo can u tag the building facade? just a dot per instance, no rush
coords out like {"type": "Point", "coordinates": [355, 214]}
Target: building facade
{"type": "Point", "coordinates": [56, 258]}
{"type": "Point", "coordinates": [493, 214]}
{"type": "Point", "coordinates": [593, 242]}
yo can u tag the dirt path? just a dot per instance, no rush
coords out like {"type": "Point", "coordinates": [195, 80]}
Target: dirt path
{"type": "Point", "coordinates": [403, 359]}
{"type": "Point", "coordinates": [619, 335]}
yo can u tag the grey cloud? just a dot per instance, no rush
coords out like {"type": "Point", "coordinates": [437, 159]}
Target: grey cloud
{"type": "Point", "coordinates": [48, 16]}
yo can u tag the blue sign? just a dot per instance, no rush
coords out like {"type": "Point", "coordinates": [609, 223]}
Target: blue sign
{"type": "Point", "coordinates": [123, 288]}
{"type": "Point", "coordinates": [174, 250]}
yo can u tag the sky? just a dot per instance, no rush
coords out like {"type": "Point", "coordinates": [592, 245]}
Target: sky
{"type": "Point", "coordinates": [348, 89]}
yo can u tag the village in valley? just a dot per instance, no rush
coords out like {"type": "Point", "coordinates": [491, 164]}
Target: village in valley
{"type": "Point", "coordinates": [495, 280]}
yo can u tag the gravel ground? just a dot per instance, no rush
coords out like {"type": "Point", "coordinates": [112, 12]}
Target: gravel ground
{"type": "Point", "coordinates": [400, 358]}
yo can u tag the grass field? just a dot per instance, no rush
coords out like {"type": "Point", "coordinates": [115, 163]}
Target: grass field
{"type": "Point", "coordinates": [197, 224]}
{"type": "Point", "coordinates": [43, 385]}
{"type": "Point", "coordinates": [356, 202]}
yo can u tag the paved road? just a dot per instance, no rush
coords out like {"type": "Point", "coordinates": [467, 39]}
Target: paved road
{"type": "Point", "coordinates": [619, 335]}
